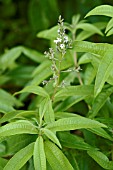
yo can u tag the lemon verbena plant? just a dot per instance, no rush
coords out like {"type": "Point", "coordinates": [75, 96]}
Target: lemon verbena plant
{"type": "Point", "coordinates": [56, 113]}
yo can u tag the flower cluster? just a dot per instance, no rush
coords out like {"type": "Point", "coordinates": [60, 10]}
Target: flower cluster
{"type": "Point", "coordinates": [62, 42]}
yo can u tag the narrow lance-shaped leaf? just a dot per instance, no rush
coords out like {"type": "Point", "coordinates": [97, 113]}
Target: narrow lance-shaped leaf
{"type": "Point", "coordinates": [110, 32]}
{"type": "Point", "coordinates": [34, 89]}
{"type": "Point", "coordinates": [99, 101]}
{"type": "Point", "coordinates": [80, 90]}
{"type": "Point", "coordinates": [52, 136]}
{"type": "Point", "coordinates": [39, 154]}
{"type": "Point", "coordinates": [74, 123]}
{"type": "Point", "coordinates": [89, 27]}
{"type": "Point", "coordinates": [20, 158]}
{"type": "Point", "coordinates": [10, 56]}
{"type": "Point", "coordinates": [18, 127]}
{"type": "Point", "coordinates": [33, 55]}
{"type": "Point", "coordinates": [109, 25]}
{"type": "Point", "coordinates": [94, 48]}
{"type": "Point", "coordinates": [101, 132]}
{"type": "Point", "coordinates": [106, 10]}
{"type": "Point", "coordinates": [103, 72]}
{"type": "Point", "coordinates": [101, 159]}
{"type": "Point", "coordinates": [56, 158]}
{"type": "Point", "coordinates": [46, 111]}
{"type": "Point", "coordinates": [73, 141]}
{"type": "Point", "coordinates": [49, 114]}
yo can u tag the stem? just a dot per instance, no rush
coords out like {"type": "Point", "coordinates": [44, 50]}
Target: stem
{"type": "Point", "coordinates": [58, 80]}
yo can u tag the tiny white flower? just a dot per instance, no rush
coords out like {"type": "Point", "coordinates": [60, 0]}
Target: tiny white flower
{"type": "Point", "coordinates": [58, 40]}
{"type": "Point", "coordinates": [58, 31]}
{"type": "Point", "coordinates": [65, 39]}
{"type": "Point", "coordinates": [62, 46]}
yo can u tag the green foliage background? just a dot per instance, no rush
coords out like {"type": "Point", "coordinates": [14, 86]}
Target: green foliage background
{"type": "Point", "coordinates": [21, 20]}
{"type": "Point", "coordinates": [31, 120]}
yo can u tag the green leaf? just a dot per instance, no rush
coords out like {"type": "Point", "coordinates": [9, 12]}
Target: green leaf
{"type": "Point", "coordinates": [33, 55]}
{"type": "Point", "coordinates": [17, 142]}
{"type": "Point", "coordinates": [20, 158]}
{"type": "Point", "coordinates": [101, 132]}
{"type": "Point", "coordinates": [80, 90]}
{"type": "Point", "coordinates": [43, 75]}
{"type": "Point", "coordinates": [3, 162]}
{"type": "Point", "coordinates": [89, 27]}
{"type": "Point", "coordinates": [94, 48]}
{"type": "Point", "coordinates": [103, 72]}
{"type": "Point", "coordinates": [8, 99]}
{"type": "Point", "coordinates": [109, 25]}
{"type": "Point", "coordinates": [41, 67]}
{"type": "Point", "coordinates": [52, 136]}
{"type": "Point", "coordinates": [49, 33]}
{"type": "Point", "coordinates": [46, 111]}
{"type": "Point", "coordinates": [39, 154]}
{"type": "Point", "coordinates": [101, 159]}
{"type": "Point", "coordinates": [73, 141]}
{"type": "Point", "coordinates": [99, 101]}
{"type": "Point", "coordinates": [68, 102]}
{"type": "Point", "coordinates": [59, 115]}
{"type": "Point", "coordinates": [10, 56]}
{"type": "Point", "coordinates": [89, 75]}
{"type": "Point", "coordinates": [110, 32]}
{"type": "Point", "coordinates": [49, 114]}
{"type": "Point", "coordinates": [34, 89]}
{"type": "Point", "coordinates": [16, 114]}
{"type": "Point", "coordinates": [56, 158]}
{"type": "Point", "coordinates": [19, 127]}
{"type": "Point", "coordinates": [106, 10]}
{"type": "Point", "coordinates": [74, 123]}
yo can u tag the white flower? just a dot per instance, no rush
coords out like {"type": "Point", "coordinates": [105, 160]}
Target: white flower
{"type": "Point", "coordinates": [62, 46]}
{"type": "Point", "coordinates": [58, 31]}
{"type": "Point", "coordinates": [58, 40]}
{"type": "Point", "coordinates": [66, 39]}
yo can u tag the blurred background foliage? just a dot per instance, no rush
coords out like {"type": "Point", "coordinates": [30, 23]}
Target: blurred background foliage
{"type": "Point", "coordinates": [21, 20]}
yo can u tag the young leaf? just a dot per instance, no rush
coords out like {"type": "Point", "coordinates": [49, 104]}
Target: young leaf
{"type": "Point", "coordinates": [99, 101]}
{"type": "Point", "coordinates": [49, 114]}
{"type": "Point", "coordinates": [18, 127]}
{"type": "Point", "coordinates": [52, 136]}
{"type": "Point", "coordinates": [106, 10]}
{"type": "Point", "coordinates": [39, 154]}
{"type": "Point", "coordinates": [20, 158]}
{"type": "Point", "coordinates": [34, 89]}
{"type": "Point", "coordinates": [74, 123]}
{"type": "Point", "coordinates": [46, 111]}
{"type": "Point", "coordinates": [56, 158]}
{"type": "Point", "coordinates": [103, 72]}
{"type": "Point", "coordinates": [101, 159]}
{"type": "Point", "coordinates": [89, 27]}
{"type": "Point", "coordinates": [80, 90]}
{"type": "Point", "coordinates": [48, 34]}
